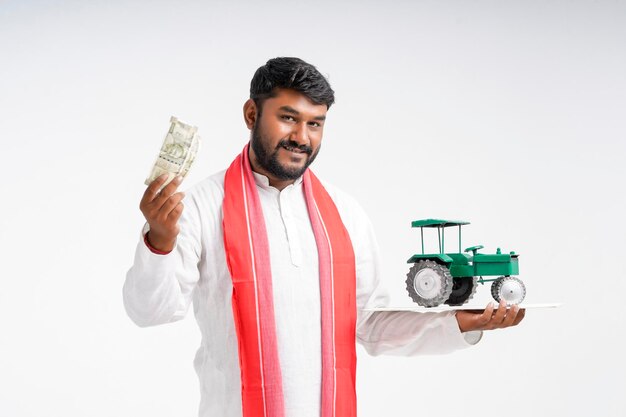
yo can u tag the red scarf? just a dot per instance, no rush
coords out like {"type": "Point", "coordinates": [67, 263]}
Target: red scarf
{"type": "Point", "coordinates": [248, 258]}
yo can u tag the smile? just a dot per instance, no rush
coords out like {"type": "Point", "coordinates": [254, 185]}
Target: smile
{"type": "Point", "coordinates": [295, 150]}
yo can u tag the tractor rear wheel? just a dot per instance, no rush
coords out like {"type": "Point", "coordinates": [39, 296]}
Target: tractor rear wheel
{"type": "Point", "coordinates": [463, 289]}
{"type": "Point", "coordinates": [510, 289]}
{"type": "Point", "coordinates": [429, 283]}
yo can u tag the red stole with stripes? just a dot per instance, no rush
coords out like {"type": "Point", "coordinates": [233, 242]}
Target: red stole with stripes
{"type": "Point", "coordinates": [248, 258]}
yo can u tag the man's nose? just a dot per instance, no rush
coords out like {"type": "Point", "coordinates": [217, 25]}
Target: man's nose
{"type": "Point", "coordinates": [300, 134]}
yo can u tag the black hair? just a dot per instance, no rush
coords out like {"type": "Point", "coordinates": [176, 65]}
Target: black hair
{"type": "Point", "coordinates": [293, 73]}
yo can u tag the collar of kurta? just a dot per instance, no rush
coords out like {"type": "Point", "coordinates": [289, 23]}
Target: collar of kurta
{"type": "Point", "coordinates": [264, 182]}
{"type": "Point", "coordinates": [248, 259]}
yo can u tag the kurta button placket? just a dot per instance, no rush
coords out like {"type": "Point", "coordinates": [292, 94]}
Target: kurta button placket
{"type": "Point", "coordinates": [286, 204]}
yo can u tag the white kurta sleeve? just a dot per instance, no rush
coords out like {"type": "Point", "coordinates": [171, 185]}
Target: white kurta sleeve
{"type": "Point", "coordinates": [158, 288]}
{"type": "Point", "coordinates": [397, 332]}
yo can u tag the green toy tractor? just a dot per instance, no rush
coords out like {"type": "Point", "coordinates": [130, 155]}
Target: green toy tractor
{"type": "Point", "coordinates": [452, 278]}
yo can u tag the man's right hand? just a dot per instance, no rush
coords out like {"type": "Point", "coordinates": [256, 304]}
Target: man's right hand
{"type": "Point", "coordinates": [162, 211]}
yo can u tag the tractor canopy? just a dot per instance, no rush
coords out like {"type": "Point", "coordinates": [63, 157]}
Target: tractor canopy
{"type": "Point", "coordinates": [437, 223]}
{"type": "Point", "coordinates": [440, 225]}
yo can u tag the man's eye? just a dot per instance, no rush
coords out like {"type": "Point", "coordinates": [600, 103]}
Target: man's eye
{"type": "Point", "coordinates": [314, 124]}
{"type": "Point", "coordinates": [289, 118]}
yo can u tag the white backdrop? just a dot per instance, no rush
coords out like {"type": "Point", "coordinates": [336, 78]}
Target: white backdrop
{"type": "Point", "coordinates": [507, 114]}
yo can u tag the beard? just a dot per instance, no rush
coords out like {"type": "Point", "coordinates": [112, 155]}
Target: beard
{"type": "Point", "coordinates": [268, 158]}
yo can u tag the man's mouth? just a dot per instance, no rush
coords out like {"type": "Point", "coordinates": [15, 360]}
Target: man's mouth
{"type": "Point", "coordinates": [296, 149]}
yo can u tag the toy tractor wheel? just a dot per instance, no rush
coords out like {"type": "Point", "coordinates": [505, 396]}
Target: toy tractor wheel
{"type": "Point", "coordinates": [510, 289]}
{"type": "Point", "coordinates": [463, 289]}
{"type": "Point", "coordinates": [428, 283]}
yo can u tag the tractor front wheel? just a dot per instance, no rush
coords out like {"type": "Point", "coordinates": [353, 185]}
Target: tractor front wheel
{"type": "Point", "coordinates": [429, 283]}
{"type": "Point", "coordinates": [510, 289]}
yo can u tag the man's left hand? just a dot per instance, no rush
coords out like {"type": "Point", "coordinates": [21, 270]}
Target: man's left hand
{"type": "Point", "coordinates": [490, 318]}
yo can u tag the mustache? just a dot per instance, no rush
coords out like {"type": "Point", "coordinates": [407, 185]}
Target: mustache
{"type": "Point", "coordinates": [290, 144]}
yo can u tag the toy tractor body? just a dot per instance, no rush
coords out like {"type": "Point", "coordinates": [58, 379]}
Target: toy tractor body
{"type": "Point", "coordinates": [452, 277]}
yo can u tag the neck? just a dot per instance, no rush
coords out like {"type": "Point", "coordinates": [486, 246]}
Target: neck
{"type": "Point", "coordinates": [277, 183]}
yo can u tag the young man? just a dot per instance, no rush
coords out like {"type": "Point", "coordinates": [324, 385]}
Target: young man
{"type": "Point", "coordinates": [279, 267]}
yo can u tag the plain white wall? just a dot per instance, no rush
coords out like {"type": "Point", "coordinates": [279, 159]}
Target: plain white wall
{"type": "Point", "coordinates": [507, 114]}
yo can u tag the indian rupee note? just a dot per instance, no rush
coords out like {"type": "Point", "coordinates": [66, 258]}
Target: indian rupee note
{"type": "Point", "coordinates": [179, 149]}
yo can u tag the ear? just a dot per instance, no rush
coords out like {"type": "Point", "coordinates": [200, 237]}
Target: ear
{"type": "Point", "coordinates": [250, 113]}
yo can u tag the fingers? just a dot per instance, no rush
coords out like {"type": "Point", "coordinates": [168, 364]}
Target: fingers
{"type": "Point", "coordinates": [153, 189]}
{"type": "Point", "coordinates": [170, 204]}
{"type": "Point", "coordinates": [167, 192]}
{"type": "Point", "coordinates": [153, 199]}
{"type": "Point", "coordinates": [174, 215]}
{"type": "Point", "coordinates": [491, 318]}
{"type": "Point", "coordinates": [162, 209]}
{"type": "Point", "coordinates": [520, 316]}
{"type": "Point", "coordinates": [484, 318]}
{"type": "Point", "coordinates": [498, 317]}
{"type": "Point", "coordinates": [511, 316]}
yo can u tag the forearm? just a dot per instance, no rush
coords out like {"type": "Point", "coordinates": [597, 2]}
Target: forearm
{"type": "Point", "coordinates": [158, 287]}
{"type": "Point", "coordinates": [407, 333]}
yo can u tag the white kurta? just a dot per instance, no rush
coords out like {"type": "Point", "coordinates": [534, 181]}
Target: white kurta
{"type": "Point", "coordinates": [160, 288]}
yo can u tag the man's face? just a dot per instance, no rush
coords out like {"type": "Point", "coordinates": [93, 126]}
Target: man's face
{"type": "Point", "coordinates": [287, 135]}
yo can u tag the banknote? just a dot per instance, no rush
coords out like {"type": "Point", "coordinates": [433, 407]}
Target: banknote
{"type": "Point", "coordinates": [179, 150]}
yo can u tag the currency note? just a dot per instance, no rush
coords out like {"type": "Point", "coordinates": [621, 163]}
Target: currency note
{"type": "Point", "coordinates": [179, 150]}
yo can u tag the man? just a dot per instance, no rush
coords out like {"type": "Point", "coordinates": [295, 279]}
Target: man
{"type": "Point", "coordinates": [279, 266]}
